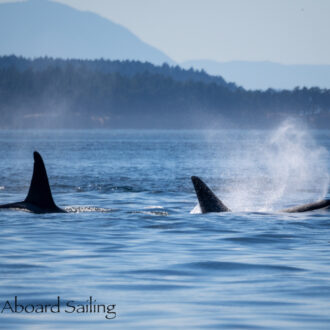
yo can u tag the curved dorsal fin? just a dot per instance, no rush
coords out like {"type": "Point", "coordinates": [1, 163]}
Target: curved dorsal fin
{"type": "Point", "coordinates": [39, 192]}
{"type": "Point", "coordinates": [208, 201]}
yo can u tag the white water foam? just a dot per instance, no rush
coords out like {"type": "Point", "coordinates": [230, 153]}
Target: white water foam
{"type": "Point", "coordinates": [196, 210]}
{"type": "Point", "coordinates": [81, 209]}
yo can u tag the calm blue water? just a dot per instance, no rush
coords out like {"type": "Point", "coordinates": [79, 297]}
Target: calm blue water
{"type": "Point", "coordinates": [130, 239]}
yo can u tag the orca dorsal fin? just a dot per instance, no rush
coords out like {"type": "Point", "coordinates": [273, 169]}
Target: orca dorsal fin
{"type": "Point", "coordinates": [39, 192]}
{"type": "Point", "coordinates": [208, 201]}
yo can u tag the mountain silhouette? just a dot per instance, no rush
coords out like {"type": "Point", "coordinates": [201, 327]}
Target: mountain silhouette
{"type": "Point", "coordinates": [44, 28]}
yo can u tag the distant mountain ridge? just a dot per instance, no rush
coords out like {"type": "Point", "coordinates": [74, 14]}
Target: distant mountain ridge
{"type": "Point", "coordinates": [37, 28]}
{"type": "Point", "coordinates": [264, 75]}
{"type": "Point", "coordinates": [44, 28]}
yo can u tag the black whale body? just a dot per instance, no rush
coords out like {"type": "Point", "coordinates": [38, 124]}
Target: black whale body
{"type": "Point", "coordinates": [209, 202]}
{"type": "Point", "coordinates": [39, 198]}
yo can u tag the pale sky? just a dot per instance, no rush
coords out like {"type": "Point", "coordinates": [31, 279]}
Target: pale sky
{"type": "Point", "coordinates": [283, 31]}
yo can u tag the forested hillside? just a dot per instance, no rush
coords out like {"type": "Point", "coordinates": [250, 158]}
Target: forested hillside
{"type": "Point", "coordinates": [77, 94]}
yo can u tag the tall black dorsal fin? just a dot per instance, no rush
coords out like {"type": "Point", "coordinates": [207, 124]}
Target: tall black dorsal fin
{"type": "Point", "coordinates": [208, 201]}
{"type": "Point", "coordinates": [39, 192]}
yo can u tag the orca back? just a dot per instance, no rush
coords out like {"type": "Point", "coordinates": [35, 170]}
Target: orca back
{"type": "Point", "coordinates": [208, 201]}
{"type": "Point", "coordinates": [323, 204]}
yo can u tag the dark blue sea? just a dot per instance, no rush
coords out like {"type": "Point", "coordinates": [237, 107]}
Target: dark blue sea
{"type": "Point", "coordinates": [133, 236]}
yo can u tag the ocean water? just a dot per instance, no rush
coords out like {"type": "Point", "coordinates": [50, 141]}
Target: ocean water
{"type": "Point", "coordinates": [131, 239]}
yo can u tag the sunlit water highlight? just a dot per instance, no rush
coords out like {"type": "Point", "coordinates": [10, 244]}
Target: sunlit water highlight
{"type": "Point", "coordinates": [130, 239]}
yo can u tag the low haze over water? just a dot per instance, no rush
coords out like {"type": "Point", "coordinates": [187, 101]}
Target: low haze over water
{"type": "Point", "coordinates": [131, 240]}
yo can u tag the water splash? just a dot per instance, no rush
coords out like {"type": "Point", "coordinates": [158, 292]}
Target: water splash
{"type": "Point", "coordinates": [286, 168]}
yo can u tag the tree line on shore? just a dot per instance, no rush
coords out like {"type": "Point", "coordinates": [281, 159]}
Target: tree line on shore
{"type": "Point", "coordinates": [49, 92]}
